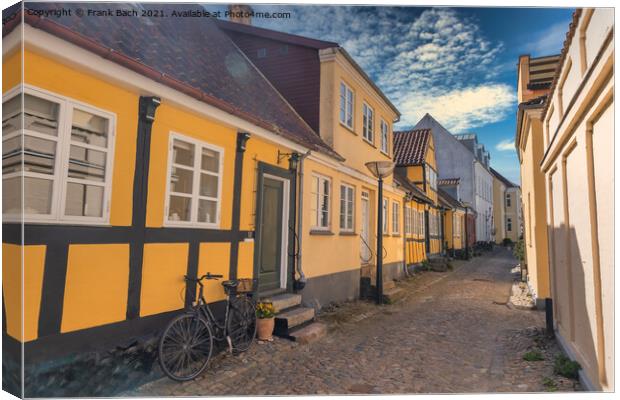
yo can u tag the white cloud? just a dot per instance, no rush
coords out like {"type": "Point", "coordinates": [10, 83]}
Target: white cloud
{"type": "Point", "coordinates": [506, 145]}
{"type": "Point", "coordinates": [460, 109]}
{"type": "Point", "coordinates": [437, 62]}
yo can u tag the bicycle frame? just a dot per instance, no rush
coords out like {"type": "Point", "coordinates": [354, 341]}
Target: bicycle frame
{"type": "Point", "coordinates": [203, 309]}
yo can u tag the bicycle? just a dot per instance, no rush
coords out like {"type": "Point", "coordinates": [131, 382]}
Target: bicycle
{"type": "Point", "coordinates": [186, 344]}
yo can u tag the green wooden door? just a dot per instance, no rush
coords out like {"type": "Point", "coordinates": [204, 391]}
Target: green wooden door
{"type": "Point", "coordinates": [270, 241]}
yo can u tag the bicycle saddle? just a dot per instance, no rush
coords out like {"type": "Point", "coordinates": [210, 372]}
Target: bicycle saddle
{"type": "Point", "coordinates": [230, 284]}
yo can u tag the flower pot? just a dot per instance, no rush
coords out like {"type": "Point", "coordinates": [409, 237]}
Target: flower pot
{"type": "Point", "coordinates": [264, 327]}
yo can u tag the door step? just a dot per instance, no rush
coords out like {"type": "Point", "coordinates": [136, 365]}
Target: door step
{"type": "Point", "coordinates": [285, 300]}
{"type": "Point", "coordinates": [309, 333]}
{"type": "Point", "coordinates": [294, 317]}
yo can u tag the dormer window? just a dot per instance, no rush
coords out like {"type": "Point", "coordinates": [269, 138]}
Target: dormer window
{"type": "Point", "coordinates": [369, 122]}
{"type": "Point", "coordinates": [346, 105]}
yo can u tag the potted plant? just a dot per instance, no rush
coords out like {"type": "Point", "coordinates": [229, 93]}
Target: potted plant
{"type": "Point", "coordinates": [265, 314]}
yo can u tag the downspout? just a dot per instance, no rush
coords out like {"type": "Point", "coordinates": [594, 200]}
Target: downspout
{"type": "Point", "coordinates": [405, 200]}
{"type": "Point", "coordinates": [300, 283]}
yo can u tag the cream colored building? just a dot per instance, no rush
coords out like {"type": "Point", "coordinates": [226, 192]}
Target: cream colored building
{"type": "Point", "coordinates": [578, 143]}
{"type": "Point", "coordinates": [507, 215]}
{"type": "Point", "coordinates": [534, 82]}
{"type": "Point", "coordinates": [513, 213]}
{"type": "Point", "coordinates": [499, 212]}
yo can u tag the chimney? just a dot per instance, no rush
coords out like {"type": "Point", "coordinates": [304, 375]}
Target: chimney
{"type": "Point", "coordinates": [240, 13]}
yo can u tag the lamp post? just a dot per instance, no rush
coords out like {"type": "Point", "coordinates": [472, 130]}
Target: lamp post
{"type": "Point", "coordinates": [380, 170]}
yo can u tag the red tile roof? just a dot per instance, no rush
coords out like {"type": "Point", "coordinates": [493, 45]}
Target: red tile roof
{"type": "Point", "coordinates": [191, 55]}
{"type": "Point", "coordinates": [410, 146]}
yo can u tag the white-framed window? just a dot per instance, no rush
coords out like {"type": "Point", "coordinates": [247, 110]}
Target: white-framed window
{"type": "Point", "coordinates": [346, 105]}
{"type": "Point", "coordinates": [385, 134]}
{"type": "Point", "coordinates": [431, 177]}
{"type": "Point", "coordinates": [368, 126]}
{"type": "Point", "coordinates": [395, 218]}
{"type": "Point", "coordinates": [385, 215]}
{"type": "Point", "coordinates": [194, 188]}
{"type": "Point", "coordinates": [508, 200]}
{"type": "Point", "coordinates": [421, 224]}
{"type": "Point", "coordinates": [63, 151]}
{"type": "Point", "coordinates": [321, 204]}
{"type": "Point", "coordinates": [509, 224]}
{"type": "Point", "coordinates": [347, 207]}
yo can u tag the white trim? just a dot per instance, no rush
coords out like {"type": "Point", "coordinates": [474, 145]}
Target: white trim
{"type": "Point", "coordinates": [285, 217]}
{"type": "Point", "coordinates": [347, 88]}
{"type": "Point", "coordinates": [371, 126]}
{"type": "Point", "coordinates": [352, 228]}
{"type": "Point", "coordinates": [397, 204]}
{"type": "Point", "coordinates": [197, 170]}
{"type": "Point", "coordinates": [383, 123]}
{"type": "Point", "coordinates": [385, 209]}
{"type": "Point", "coordinates": [71, 54]}
{"type": "Point", "coordinates": [317, 205]}
{"type": "Point", "coordinates": [60, 178]}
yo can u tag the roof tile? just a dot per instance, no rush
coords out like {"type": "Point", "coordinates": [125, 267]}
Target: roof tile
{"type": "Point", "coordinates": [410, 146]}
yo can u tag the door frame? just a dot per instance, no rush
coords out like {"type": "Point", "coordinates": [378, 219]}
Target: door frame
{"type": "Point", "coordinates": [287, 261]}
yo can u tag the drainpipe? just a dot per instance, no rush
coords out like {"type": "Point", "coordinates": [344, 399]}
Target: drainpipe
{"type": "Point", "coordinates": [405, 200]}
{"type": "Point", "coordinates": [300, 283]}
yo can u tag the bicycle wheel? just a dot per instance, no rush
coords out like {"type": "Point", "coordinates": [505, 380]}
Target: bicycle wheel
{"type": "Point", "coordinates": [241, 324]}
{"type": "Point", "coordinates": [185, 347]}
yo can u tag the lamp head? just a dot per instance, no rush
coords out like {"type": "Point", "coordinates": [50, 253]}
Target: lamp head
{"type": "Point", "coordinates": [380, 169]}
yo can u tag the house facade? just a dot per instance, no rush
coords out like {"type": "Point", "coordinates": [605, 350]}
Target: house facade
{"type": "Point", "coordinates": [507, 216]}
{"type": "Point", "coordinates": [415, 160]}
{"type": "Point", "coordinates": [453, 222]}
{"type": "Point", "coordinates": [331, 92]}
{"type": "Point", "coordinates": [534, 81]}
{"type": "Point", "coordinates": [578, 180]}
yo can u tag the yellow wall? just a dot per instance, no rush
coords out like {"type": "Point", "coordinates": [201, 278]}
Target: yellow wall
{"type": "Point", "coordinates": [499, 213]}
{"type": "Point", "coordinates": [48, 74]}
{"type": "Point", "coordinates": [33, 265]}
{"type": "Point", "coordinates": [96, 286]}
{"type": "Point", "coordinates": [350, 142]}
{"type": "Point", "coordinates": [416, 246]}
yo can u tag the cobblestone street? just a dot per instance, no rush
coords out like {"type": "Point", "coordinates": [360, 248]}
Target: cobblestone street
{"type": "Point", "coordinates": [453, 333]}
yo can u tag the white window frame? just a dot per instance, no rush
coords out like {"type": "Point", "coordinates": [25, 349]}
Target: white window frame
{"type": "Point", "coordinates": [395, 218]}
{"type": "Point", "coordinates": [60, 177]}
{"type": "Point", "coordinates": [347, 89]}
{"type": "Point", "coordinates": [508, 200]}
{"type": "Point", "coordinates": [385, 209]}
{"type": "Point", "coordinates": [368, 127]}
{"type": "Point", "coordinates": [407, 214]}
{"type": "Point", "coordinates": [319, 195]}
{"type": "Point", "coordinates": [195, 195]}
{"type": "Point", "coordinates": [508, 224]}
{"type": "Point", "coordinates": [385, 137]}
{"type": "Point", "coordinates": [346, 210]}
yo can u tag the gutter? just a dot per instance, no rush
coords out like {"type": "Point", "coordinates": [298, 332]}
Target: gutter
{"type": "Point", "coordinates": [300, 283]}
{"type": "Point", "coordinates": [119, 58]}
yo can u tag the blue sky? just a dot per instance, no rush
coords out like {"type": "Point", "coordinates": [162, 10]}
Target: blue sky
{"type": "Point", "coordinates": [458, 64]}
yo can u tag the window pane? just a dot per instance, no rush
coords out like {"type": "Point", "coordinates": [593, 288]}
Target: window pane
{"type": "Point", "coordinates": [181, 180]}
{"type": "Point", "coordinates": [12, 155]}
{"type": "Point", "coordinates": [87, 164]}
{"type": "Point", "coordinates": [208, 185]}
{"type": "Point", "coordinates": [210, 160]}
{"type": "Point", "coordinates": [12, 195]}
{"type": "Point", "coordinates": [207, 210]}
{"type": "Point", "coordinates": [342, 216]}
{"type": "Point", "coordinates": [89, 128]}
{"type": "Point", "coordinates": [84, 200]}
{"type": "Point", "coordinates": [11, 115]}
{"type": "Point", "coordinates": [179, 208]}
{"type": "Point", "coordinates": [40, 115]}
{"type": "Point", "coordinates": [183, 153]}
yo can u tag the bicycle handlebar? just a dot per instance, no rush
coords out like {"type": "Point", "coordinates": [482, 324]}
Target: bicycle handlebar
{"type": "Point", "coordinates": [208, 275]}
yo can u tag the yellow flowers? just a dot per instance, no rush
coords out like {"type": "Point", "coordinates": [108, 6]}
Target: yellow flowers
{"type": "Point", "coordinates": [265, 309]}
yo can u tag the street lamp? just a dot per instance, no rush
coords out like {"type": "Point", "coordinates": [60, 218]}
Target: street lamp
{"type": "Point", "coordinates": [380, 170]}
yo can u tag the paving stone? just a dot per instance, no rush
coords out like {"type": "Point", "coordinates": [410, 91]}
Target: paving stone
{"type": "Point", "coordinates": [310, 333]}
{"type": "Point", "coordinates": [445, 336]}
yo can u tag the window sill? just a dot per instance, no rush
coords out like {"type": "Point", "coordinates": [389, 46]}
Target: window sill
{"type": "Point", "coordinates": [347, 233]}
{"type": "Point", "coordinates": [321, 232]}
{"type": "Point", "coordinates": [385, 153]}
{"type": "Point", "coordinates": [348, 128]}
{"type": "Point", "coordinates": [368, 142]}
